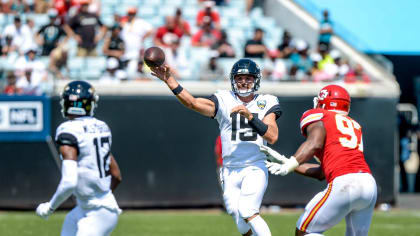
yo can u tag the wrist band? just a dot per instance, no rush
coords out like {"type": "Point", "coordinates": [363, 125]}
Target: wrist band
{"type": "Point", "coordinates": [257, 125]}
{"type": "Point", "coordinates": [177, 90]}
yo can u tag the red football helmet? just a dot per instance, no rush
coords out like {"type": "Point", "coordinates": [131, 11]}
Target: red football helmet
{"type": "Point", "coordinates": [333, 97]}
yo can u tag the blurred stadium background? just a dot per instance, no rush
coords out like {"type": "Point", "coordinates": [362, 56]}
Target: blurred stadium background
{"type": "Point", "coordinates": [371, 48]}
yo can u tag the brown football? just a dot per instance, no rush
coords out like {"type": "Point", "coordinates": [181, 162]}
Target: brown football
{"type": "Point", "coordinates": [154, 56]}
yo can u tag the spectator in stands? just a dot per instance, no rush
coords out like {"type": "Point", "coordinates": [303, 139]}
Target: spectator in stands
{"type": "Point", "coordinates": [223, 47]}
{"type": "Point", "coordinates": [19, 7]}
{"type": "Point", "coordinates": [325, 29]}
{"type": "Point", "coordinates": [112, 75]}
{"type": "Point", "coordinates": [181, 23]}
{"type": "Point", "coordinates": [208, 14]}
{"type": "Point", "coordinates": [134, 32]}
{"type": "Point", "coordinates": [211, 70]}
{"type": "Point", "coordinates": [274, 68]}
{"type": "Point", "coordinates": [337, 69]}
{"type": "Point", "coordinates": [7, 46]}
{"type": "Point", "coordinates": [206, 36]}
{"type": "Point", "coordinates": [255, 48]}
{"type": "Point", "coordinates": [83, 28]}
{"type": "Point", "coordinates": [318, 74]}
{"type": "Point", "coordinates": [300, 57]}
{"type": "Point", "coordinates": [21, 35]}
{"type": "Point", "coordinates": [31, 73]}
{"type": "Point", "coordinates": [167, 33]}
{"type": "Point", "coordinates": [114, 45]}
{"type": "Point", "coordinates": [10, 88]}
{"type": "Point", "coordinates": [41, 6]}
{"type": "Point", "coordinates": [117, 18]}
{"type": "Point", "coordinates": [342, 64]}
{"type": "Point", "coordinates": [177, 60]}
{"type": "Point", "coordinates": [50, 34]}
{"type": "Point", "coordinates": [95, 7]}
{"type": "Point", "coordinates": [5, 6]}
{"type": "Point", "coordinates": [357, 75]}
{"type": "Point", "coordinates": [285, 48]}
{"type": "Point", "coordinates": [140, 72]}
{"type": "Point", "coordinates": [58, 62]}
{"type": "Point", "coordinates": [62, 7]}
{"type": "Point", "coordinates": [30, 4]}
{"type": "Point", "coordinates": [326, 57]}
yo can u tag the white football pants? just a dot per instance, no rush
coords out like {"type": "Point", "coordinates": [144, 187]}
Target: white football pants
{"type": "Point", "coordinates": [243, 191]}
{"type": "Point", "coordinates": [352, 196]}
{"type": "Point", "coordinates": [89, 222]}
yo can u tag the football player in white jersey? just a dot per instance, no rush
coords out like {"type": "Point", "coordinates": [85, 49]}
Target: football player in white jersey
{"type": "Point", "coordinates": [246, 121]}
{"type": "Point", "coordinates": [89, 170]}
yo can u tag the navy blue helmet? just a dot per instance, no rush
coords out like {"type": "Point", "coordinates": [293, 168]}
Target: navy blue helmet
{"type": "Point", "coordinates": [78, 98]}
{"type": "Point", "coordinates": [245, 67]}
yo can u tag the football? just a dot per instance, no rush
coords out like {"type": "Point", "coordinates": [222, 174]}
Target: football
{"type": "Point", "coordinates": [154, 56]}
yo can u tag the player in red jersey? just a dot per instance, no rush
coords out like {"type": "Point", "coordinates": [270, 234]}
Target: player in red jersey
{"type": "Point", "coordinates": [336, 140]}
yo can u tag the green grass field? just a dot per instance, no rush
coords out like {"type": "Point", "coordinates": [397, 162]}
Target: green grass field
{"type": "Point", "coordinates": [186, 223]}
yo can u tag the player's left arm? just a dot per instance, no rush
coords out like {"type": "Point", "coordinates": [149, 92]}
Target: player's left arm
{"type": "Point", "coordinates": [267, 127]}
{"type": "Point", "coordinates": [115, 172]}
{"type": "Point", "coordinates": [311, 170]}
{"type": "Point", "coordinates": [67, 183]}
{"type": "Point", "coordinates": [314, 143]}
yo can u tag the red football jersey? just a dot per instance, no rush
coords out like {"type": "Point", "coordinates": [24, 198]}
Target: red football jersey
{"type": "Point", "coordinates": [343, 146]}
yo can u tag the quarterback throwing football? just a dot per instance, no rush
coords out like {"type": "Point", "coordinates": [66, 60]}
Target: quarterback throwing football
{"type": "Point", "coordinates": [246, 121]}
{"type": "Point", "coordinates": [89, 170]}
{"type": "Point", "coordinates": [336, 139]}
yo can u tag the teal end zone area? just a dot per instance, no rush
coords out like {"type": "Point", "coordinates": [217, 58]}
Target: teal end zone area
{"type": "Point", "coordinates": [374, 26]}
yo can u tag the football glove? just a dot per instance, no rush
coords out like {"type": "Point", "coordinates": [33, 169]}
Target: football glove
{"type": "Point", "coordinates": [273, 155]}
{"type": "Point", "coordinates": [273, 167]}
{"type": "Point", "coordinates": [283, 169]}
{"type": "Point", "coordinates": [44, 210]}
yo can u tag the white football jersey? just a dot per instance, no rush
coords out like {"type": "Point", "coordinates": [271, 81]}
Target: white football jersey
{"type": "Point", "coordinates": [94, 141]}
{"type": "Point", "coordinates": [240, 143]}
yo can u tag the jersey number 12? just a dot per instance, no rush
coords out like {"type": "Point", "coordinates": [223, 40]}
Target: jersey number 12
{"type": "Point", "coordinates": [102, 160]}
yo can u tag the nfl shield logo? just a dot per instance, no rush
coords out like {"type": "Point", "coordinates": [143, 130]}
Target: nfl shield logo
{"type": "Point", "coordinates": [261, 104]}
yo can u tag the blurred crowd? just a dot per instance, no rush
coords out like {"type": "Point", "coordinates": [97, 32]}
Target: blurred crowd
{"type": "Point", "coordinates": [34, 55]}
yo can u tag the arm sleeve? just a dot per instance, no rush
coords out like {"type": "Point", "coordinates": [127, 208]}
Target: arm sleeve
{"type": "Point", "coordinates": [214, 99]}
{"type": "Point", "coordinates": [67, 139]}
{"type": "Point", "coordinates": [276, 110]}
{"type": "Point", "coordinates": [67, 183]}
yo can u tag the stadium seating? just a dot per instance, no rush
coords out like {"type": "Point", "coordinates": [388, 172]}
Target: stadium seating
{"type": "Point", "coordinates": [154, 11]}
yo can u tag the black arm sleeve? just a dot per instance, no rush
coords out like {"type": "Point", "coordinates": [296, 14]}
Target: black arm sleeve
{"type": "Point", "coordinates": [214, 99]}
{"type": "Point", "coordinates": [276, 110]}
{"type": "Point", "coordinates": [67, 139]}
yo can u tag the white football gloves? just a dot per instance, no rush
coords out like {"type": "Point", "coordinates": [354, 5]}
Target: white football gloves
{"type": "Point", "coordinates": [44, 210]}
{"type": "Point", "coordinates": [278, 164]}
